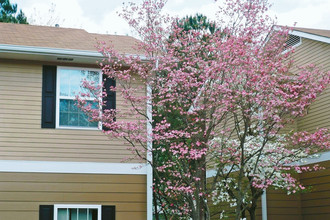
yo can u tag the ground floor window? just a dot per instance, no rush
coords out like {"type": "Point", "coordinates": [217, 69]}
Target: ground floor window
{"type": "Point", "coordinates": [77, 212]}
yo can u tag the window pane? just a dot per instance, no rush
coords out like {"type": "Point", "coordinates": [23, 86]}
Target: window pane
{"type": "Point", "coordinates": [72, 106]}
{"type": "Point", "coordinates": [73, 214]}
{"type": "Point", "coordinates": [92, 215]}
{"type": "Point", "coordinates": [75, 82]}
{"type": "Point", "coordinates": [83, 119]}
{"type": "Point", "coordinates": [73, 119]}
{"type": "Point", "coordinates": [71, 80]}
{"type": "Point", "coordinates": [62, 214]}
{"type": "Point", "coordinates": [64, 83]}
{"type": "Point", "coordinates": [82, 214]}
{"type": "Point", "coordinates": [64, 105]}
{"type": "Point", "coordinates": [93, 76]}
{"type": "Point", "coordinates": [64, 118]}
{"type": "Point", "coordinates": [71, 115]}
{"type": "Point", "coordinates": [77, 214]}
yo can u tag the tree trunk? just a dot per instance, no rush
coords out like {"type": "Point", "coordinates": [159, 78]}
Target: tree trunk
{"type": "Point", "coordinates": [243, 214]}
{"type": "Point", "coordinates": [252, 214]}
{"type": "Point", "coordinates": [155, 207]}
{"type": "Point", "coordinates": [252, 209]}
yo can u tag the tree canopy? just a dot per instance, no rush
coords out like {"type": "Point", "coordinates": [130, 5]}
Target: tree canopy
{"type": "Point", "coordinates": [220, 100]}
{"type": "Point", "coordinates": [8, 13]}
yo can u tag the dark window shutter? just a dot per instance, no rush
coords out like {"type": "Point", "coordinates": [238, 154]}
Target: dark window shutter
{"type": "Point", "coordinates": [110, 100]}
{"type": "Point", "coordinates": [108, 212]}
{"type": "Point", "coordinates": [46, 212]}
{"type": "Point", "coordinates": [48, 97]}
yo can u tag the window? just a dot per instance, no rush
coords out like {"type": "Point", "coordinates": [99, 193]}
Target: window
{"type": "Point", "coordinates": [77, 212]}
{"type": "Point", "coordinates": [60, 85]}
{"type": "Point", "coordinates": [69, 81]}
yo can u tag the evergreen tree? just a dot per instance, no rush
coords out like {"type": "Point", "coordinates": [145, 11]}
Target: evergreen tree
{"type": "Point", "coordinates": [163, 205]}
{"type": "Point", "coordinates": [8, 13]}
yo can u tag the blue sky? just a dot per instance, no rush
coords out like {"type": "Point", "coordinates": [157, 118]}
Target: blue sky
{"type": "Point", "coordinates": [99, 16]}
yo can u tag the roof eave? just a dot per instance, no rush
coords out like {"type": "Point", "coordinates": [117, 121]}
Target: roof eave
{"type": "Point", "coordinates": [310, 36]}
{"type": "Point", "coordinates": [52, 54]}
{"type": "Point", "coordinates": [48, 54]}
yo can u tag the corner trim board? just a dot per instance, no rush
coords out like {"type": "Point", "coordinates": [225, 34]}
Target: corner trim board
{"type": "Point", "coordinates": [72, 167]}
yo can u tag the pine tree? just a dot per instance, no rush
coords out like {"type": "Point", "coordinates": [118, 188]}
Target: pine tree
{"type": "Point", "coordinates": [8, 13]}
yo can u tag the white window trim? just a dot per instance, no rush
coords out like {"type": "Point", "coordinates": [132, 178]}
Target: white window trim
{"type": "Point", "coordinates": [58, 98]}
{"type": "Point", "coordinates": [77, 206]}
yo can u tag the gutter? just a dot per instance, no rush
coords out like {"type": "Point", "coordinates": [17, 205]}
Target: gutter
{"type": "Point", "coordinates": [48, 51]}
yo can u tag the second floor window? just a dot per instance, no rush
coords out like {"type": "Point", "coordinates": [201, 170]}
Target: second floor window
{"type": "Point", "coordinates": [69, 84]}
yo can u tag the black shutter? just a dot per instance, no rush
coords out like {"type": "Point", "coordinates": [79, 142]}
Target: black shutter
{"type": "Point", "coordinates": [48, 97]}
{"type": "Point", "coordinates": [46, 212]}
{"type": "Point", "coordinates": [110, 100]}
{"type": "Point", "coordinates": [108, 212]}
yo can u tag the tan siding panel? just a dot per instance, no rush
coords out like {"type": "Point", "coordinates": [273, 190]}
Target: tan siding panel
{"type": "Point", "coordinates": [316, 203]}
{"type": "Point", "coordinates": [22, 193]}
{"type": "Point", "coordinates": [21, 136]}
{"type": "Point", "coordinates": [18, 215]}
{"type": "Point", "coordinates": [71, 178]}
{"type": "Point", "coordinates": [59, 197]}
{"type": "Point", "coordinates": [313, 210]}
{"type": "Point", "coordinates": [73, 187]}
{"type": "Point", "coordinates": [26, 206]}
{"type": "Point", "coordinates": [35, 90]}
{"type": "Point", "coordinates": [24, 79]}
{"type": "Point", "coordinates": [14, 106]}
{"type": "Point", "coordinates": [19, 111]}
{"type": "Point", "coordinates": [317, 180]}
{"type": "Point", "coordinates": [283, 217]}
{"type": "Point", "coordinates": [319, 202]}
{"type": "Point", "coordinates": [318, 115]}
{"type": "Point", "coordinates": [316, 217]}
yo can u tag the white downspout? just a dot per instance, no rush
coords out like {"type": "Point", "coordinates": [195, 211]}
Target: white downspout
{"type": "Point", "coordinates": [149, 155]}
{"type": "Point", "coordinates": [149, 152]}
{"type": "Point", "coordinates": [264, 205]}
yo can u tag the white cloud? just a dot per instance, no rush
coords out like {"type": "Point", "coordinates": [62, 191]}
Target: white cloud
{"type": "Point", "coordinates": [100, 15]}
{"type": "Point", "coordinates": [307, 13]}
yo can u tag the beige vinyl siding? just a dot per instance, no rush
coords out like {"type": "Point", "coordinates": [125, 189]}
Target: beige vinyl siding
{"type": "Point", "coordinates": [22, 193]}
{"type": "Point", "coordinates": [21, 135]}
{"type": "Point", "coordinates": [283, 206]}
{"type": "Point", "coordinates": [317, 53]}
{"type": "Point", "coordinates": [310, 205]}
{"type": "Point", "coordinates": [316, 204]}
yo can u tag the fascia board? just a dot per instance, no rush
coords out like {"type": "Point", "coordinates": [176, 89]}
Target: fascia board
{"type": "Point", "coordinates": [306, 35]}
{"type": "Point", "coordinates": [53, 52]}
{"type": "Point", "coordinates": [48, 51]}
{"type": "Point", "coordinates": [311, 36]}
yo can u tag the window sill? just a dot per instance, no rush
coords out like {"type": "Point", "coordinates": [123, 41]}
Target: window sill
{"type": "Point", "coordinates": [78, 128]}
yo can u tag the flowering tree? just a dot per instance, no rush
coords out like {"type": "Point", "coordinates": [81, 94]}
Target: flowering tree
{"type": "Point", "coordinates": [219, 98]}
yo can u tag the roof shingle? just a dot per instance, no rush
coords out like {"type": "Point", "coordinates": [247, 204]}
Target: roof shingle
{"type": "Point", "coordinates": [64, 38]}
